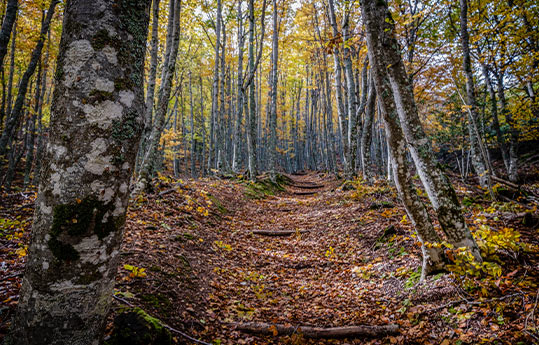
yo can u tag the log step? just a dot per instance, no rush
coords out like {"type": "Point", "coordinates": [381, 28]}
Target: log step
{"type": "Point", "coordinates": [306, 186]}
{"type": "Point", "coordinates": [318, 332]}
{"type": "Point", "coordinates": [282, 233]}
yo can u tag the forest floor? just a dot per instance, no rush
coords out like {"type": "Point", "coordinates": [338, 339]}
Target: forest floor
{"type": "Point", "coordinates": [191, 257]}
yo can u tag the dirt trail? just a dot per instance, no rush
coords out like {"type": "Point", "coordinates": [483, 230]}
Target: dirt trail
{"type": "Point", "coordinates": [303, 279]}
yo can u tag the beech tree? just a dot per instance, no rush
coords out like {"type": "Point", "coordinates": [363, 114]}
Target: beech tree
{"type": "Point", "coordinates": [97, 119]}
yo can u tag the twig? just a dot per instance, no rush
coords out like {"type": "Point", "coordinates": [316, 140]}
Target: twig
{"type": "Point", "coordinates": [450, 304]}
{"type": "Point", "coordinates": [533, 310]}
{"type": "Point", "coordinates": [122, 300]}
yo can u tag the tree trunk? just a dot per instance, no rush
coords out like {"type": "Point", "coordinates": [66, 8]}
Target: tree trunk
{"type": "Point", "coordinates": [152, 152]}
{"type": "Point", "coordinates": [152, 75]}
{"type": "Point", "coordinates": [16, 112]}
{"type": "Point", "coordinates": [494, 113]}
{"type": "Point", "coordinates": [96, 124]}
{"type": "Point", "coordinates": [7, 26]}
{"type": "Point", "coordinates": [273, 105]}
{"type": "Point", "coordinates": [366, 135]}
{"type": "Point", "coordinates": [479, 160]}
{"type": "Point", "coordinates": [381, 39]}
{"type": "Point", "coordinates": [375, 17]}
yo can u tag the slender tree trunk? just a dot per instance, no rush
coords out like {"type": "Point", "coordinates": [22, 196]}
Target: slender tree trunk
{"type": "Point", "coordinates": [152, 75]}
{"type": "Point", "coordinates": [366, 135]}
{"type": "Point", "coordinates": [514, 133]}
{"type": "Point", "coordinates": [7, 26]}
{"type": "Point", "coordinates": [251, 123]}
{"type": "Point", "coordinates": [151, 156]}
{"type": "Point", "coordinates": [80, 210]}
{"type": "Point", "coordinates": [240, 93]}
{"type": "Point", "coordinates": [273, 106]}
{"type": "Point", "coordinates": [479, 159]}
{"type": "Point", "coordinates": [351, 92]}
{"type": "Point", "coordinates": [32, 129]}
{"type": "Point", "coordinates": [16, 112]}
{"type": "Point", "coordinates": [11, 71]}
{"type": "Point", "coordinates": [494, 113]}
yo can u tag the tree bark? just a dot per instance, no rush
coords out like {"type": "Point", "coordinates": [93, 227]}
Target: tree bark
{"type": "Point", "coordinates": [374, 17]}
{"type": "Point", "coordinates": [479, 161]}
{"type": "Point", "coordinates": [152, 151]}
{"type": "Point", "coordinates": [96, 123]}
{"type": "Point", "coordinates": [381, 39]}
{"type": "Point", "coordinates": [7, 26]}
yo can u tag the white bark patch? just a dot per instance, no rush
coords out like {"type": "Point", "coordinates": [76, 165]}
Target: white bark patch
{"type": "Point", "coordinates": [127, 97]}
{"type": "Point", "coordinates": [119, 208]}
{"type": "Point", "coordinates": [104, 85]}
{"type": "Point", "coordinates": [45, 265]}
{"type": "Point", "coordinates": [123, 188]}
{"type": "Point", "coordinates": [56, 185]}
{"type": "Point", "coordinates": [45, 209]}
{"type": "Point", "coordinates": [104, 194]}
{"type": "Point", "coordinates": [103, 113]}
{"type": "Point", "coordinates": [91, 250]}
{"type": "Point", "coordinates": [76, 56]}
{"type": "Point", "coordinates": [110, 54]}
{"type": "Point", "coordinates": [57, 150]}
{"type": "Point", "coordinates": [97, 163]}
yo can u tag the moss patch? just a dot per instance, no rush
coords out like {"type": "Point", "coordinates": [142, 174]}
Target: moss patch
{"type": "Point", "coordinates": [80, 219]}
{"type": "Point", "coordinates": [135, 327]}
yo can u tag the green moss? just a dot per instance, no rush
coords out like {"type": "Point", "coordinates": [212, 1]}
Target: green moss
{"type": "Point", "coordinates": [102, 39]}
{"type": "Point", "coordinates": [135, 327]}
{"type": "Point", "coordinates": [98, 96]}
{"type": "Point", "coordinates": [79, 219]}
{"type": "Point", "coordinates": [62, 251]}
{"type": "Point", "coordinates": [76, 219]}
{"type": "Point", "coordinates": [90, 278]}
{"type": "Point", "coordinates": [218, 204]}
{"type": "Point", "coordinates": [123, 84]}
{"type": "Point", "coordinates": [265, 187]}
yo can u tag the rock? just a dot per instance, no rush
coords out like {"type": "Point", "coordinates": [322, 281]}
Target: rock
{"type": "Point", "coordinates": [135, 327]}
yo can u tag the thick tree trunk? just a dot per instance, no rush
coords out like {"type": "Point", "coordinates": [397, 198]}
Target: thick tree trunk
{"type": "Point", "coordinates": [381, 40]}
{"type": "Point", "coordinates": [7, 26]}
{"type": "Point", "coordinates": [374, 16]}
{"type": "Point", "coordinates": [16, 112]}
{"type": "Point", "coordinates": [96, 122]}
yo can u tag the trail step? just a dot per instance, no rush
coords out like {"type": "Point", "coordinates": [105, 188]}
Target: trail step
{"type": "Point", "coordinates": [277, 233]}
{"type": "Point", "coordinates": [308, 186]}
{"type": "Point", "coordinates": [305, 193]}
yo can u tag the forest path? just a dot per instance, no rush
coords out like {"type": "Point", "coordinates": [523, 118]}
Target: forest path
{"type": "Point", "coordinates": [307, 278]}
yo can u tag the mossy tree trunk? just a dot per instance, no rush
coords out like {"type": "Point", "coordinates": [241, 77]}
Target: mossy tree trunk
{"type": "Point", "coordinates": [381, 39]}
{"type": "Point", "coordinates": [374, 17]}
{"type": "Point", "coordinates": [96, 123]}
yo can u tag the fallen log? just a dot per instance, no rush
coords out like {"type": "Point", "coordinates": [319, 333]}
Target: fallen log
{"type": "Point", "coordinates": [318, 332]}
{"type": "Point", "coordinates": [272, 233]}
